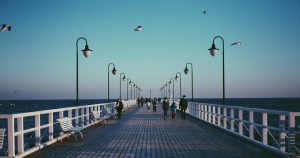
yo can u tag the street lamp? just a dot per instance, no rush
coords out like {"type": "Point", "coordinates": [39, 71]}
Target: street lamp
{"type": "Point", "coordinates": [127, 86]}
{"type": "Point", "coordinates": [172, 81]}
{"type": "Point", "coordinates": [176, 78]}
{"type": "Point", "coordinates": [86, 52]}
{"type": "Point", "coordinates": [213, 50]}
{"type": "Point", "coordinates": [124, 78]}
{"type": "Point", "coordinates": [186, 71]}
{"type": "Point", "coordinates": [114, 71]}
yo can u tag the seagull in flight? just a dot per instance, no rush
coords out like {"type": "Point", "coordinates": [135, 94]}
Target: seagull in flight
{"type": "Point", "coordinates": [139, 28]}
{"type": "Point", "coordinates": [236, 43]}
{"type": "Point", "coordinates": [204, 12]}
{"type": "Point", "coordinates": [5, 26]}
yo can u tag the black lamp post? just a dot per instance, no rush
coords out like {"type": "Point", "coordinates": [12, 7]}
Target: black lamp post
{"type": "Point", "coordinates": [131, 83]}
{"type": "Point", "coordinates": [186, 71]}
{"type": "Point", "coordinates": [176, 78]}
{"type": "Point", "coordinates": [124, 78]}
{"type": "Point", "coordinates": [86, 52]}
{"type": "Point", "coordinates": [114, 71]}
{"type": "Point", "coordinates": [127, 86]}
{"type": "Point", "coordinates": [172, 81]}
{"type": "Point", "coordinates": [213, 50]}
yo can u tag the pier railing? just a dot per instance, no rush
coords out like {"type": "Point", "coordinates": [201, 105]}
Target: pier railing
{"type": "Point", "coordinates": [31, 131]}
{"type": "Point", "coordinates": [271, 129]}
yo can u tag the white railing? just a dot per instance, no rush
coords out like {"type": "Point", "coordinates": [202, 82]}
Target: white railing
{"type": "Point", "coordinates": [39, 122]}
{"type": "Point", "coordinates": [271, 129]}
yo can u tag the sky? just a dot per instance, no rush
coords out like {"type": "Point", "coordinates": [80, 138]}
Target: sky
{"type": "Point", "coordinates": [38, 56]}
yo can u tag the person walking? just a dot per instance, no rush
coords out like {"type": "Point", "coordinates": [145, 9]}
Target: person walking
{"type": "Point", "coordinates": [165, 108]}
{"type": "Point", "coordinates": [142, 101]}
{"type": "Point", "coordinates": [173, 109]}
{"type": "Point", "coordinates": [154, 103]}
{"type": "Point", "coordinates": [138, 102]}
{"type": "Point", "coordinates": [148, 104]}
{"type": "Point", "coordinates": [183, 104]}
{"type": "Point", "coordinates": [119, 107]}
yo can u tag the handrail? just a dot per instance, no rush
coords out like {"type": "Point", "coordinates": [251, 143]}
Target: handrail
{"type": "Point", "coordinates": [78, 114]}
{"type": "Point", "coordinates": [222, 116]}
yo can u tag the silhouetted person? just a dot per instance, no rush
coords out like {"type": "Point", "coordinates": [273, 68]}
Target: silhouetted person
{"type": "Point", "coordinates": [142, 101]}
{"type": "Point", "coordinates": [119, 108]}
{"type": "Point", "coordinates": [138, 101]}
{"type": "Point", "coordinates": [154, 103]}
{"type": "Point", "coordinates": [165, 105]}
{"type": "Point", "coordinates": [183, 104]}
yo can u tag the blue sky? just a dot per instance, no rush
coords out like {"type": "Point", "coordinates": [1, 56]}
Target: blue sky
{"type": "Point", "coordinates": [38, 56]}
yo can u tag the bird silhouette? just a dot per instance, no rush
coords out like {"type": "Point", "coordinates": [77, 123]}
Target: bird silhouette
{"type": "Point", "coordinates": [236, 43]}
{"type": "Point", "coordinates": [204, 12]}
{"type": "Point", "coordinates": [138, 28]}
{"type": "Point", "coordinates": [5, 26]}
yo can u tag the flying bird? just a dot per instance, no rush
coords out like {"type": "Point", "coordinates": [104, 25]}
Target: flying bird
{"type": "Point", "coordinates": [236, 43]}
{"type": "Point", "coordinates": [16, 91]}
{"type": "Point", "coordinates": [204, 12]}
{"type": "Point", "coordinates": [139, 28]}
{"type": "Point", "coordinates": [5, 26]}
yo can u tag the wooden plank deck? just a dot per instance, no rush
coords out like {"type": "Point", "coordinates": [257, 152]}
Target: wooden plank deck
{"type": "Point", "coordinates": [145, 134]}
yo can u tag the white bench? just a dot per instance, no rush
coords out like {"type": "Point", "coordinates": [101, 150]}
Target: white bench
{"type": "Point", "coordinates": [68, 128]}
{"type": "Point", "coordinates": [110, 113]}
{"type": "Point", "coordinates": [97, 117]}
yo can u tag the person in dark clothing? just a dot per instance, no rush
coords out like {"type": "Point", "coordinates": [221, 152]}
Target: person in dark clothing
{"type": "Point", "coordinates": [138, 101]}
{"type": "Point", "coordinates": [119, 107]}
{"type": "Point", "coordinates": [183, 104]}
{"type": "Point", "coordinates": [142, 101]}
{"type": "Point", "coordinates": [165, 108]}
{"type": "Point", "coordinates": [154, 103]}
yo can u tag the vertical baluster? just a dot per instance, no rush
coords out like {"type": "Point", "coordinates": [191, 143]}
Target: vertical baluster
{"type": "Point", "coordinates": [219, 116]}
{"type": "Point", "coordinates": [292, 135]}
{"type": "Point", "coordinates": [265, 129]}
{"type": "Point", "coordinates": [225, 117]}
{"type": "Point", "coordinates": [82, 117]}
{"type": "Point", "coordinates": [232, 120]}
{"type": "Point", "coordinates": [251, 125]}
{"type": "Point", "coordinates": [87, 115]}
{"type": "Point", "coordinates": [21, 135]}
{"type": "Point", "coordinates": [76, 118]}
{"type": "Point", "coordinates": [50, 121]}
{"type": "Point", "coordinates": [214, 115]}
{"type": "Point", "coordinates": [61, 115]}
{"type": "Point", "coordinates": [70, 114]}
{"type": "Point", "coordinates": [282, 132]}
{"type": "Point", "coordinates": [202, 114]}
{"type": "Point", "coordinates": [11, 137]}
{"type": "Point", "coordinates": [209, 113]}
{"type": "Point", "coordinates": [241, 122]}
{"type": "Point", "coordinates": [205, 114]}
{"type": "Point", "coordinates": [37, 123]}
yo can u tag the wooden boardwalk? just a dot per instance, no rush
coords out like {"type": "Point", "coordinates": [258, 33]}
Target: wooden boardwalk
{"type": "Point", "coordinates": [145, 134]}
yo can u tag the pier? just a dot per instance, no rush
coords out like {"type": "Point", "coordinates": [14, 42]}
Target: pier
{"type": "Point", "coordinates": [145, 134]}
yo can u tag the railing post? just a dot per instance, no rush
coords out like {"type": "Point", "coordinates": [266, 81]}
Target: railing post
{"type": "Point", "coordinates": [292, 135]}
{"type": "Point", "coordinates": [264, 128]}
{"type": "Point", "coordinates": [82, 117]}
{"type": "Point", "coordinates": [214, 115]}
{"type": "Point", "coordinates": [225, 118]}
{"type": "Point", "coordinates": [232, 120]}
{"type": "Point", "coordinates": [87, 115]}
{"type": "Point", "coordinates": [11, 137]}
{"type": "Point", "coordinates": [202, 112]}
{"type": "Point", "coordinates": [199, 110]}
{"type": "Point", "coordinates": [50, 120]}
{"type": "Point", "coordinates": [21, 135]}
{"type": "Point", "coordinates": [209, 113]}
{"type": "Point", "coordinates": [219, 116]}
{"type": "Point", "coordinates": [205, 112]}
{"type": "Point", "coordinates": [251, 125]}
{"type": "Point", "coordinates": [76, 118]}
{"type": "Point", "coordinates": [241, 132]}
{"type": "Point", "coordinates": [282, 132]}
{"type": "Point", "coordinates": [61, 115]}
{"type": "Point", "coordinates": [37, 122]}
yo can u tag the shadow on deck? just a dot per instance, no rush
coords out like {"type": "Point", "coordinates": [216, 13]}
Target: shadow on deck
{"type": "Point", "coordinates": [145, 134]}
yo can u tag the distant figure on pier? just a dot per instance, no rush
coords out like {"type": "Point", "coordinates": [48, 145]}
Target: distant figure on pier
{"type": "Point", "coordinates": [119, 107]}
{"type": "Point", "coordinates": [142, 101]}
{"type": "Point", "coordinates": [154, 103]}
{"type": "Point", "coordinates": [138, 101]}
{"type": "Point", "coordinates": [148, 104]}
{"type": "Point", "coordinates": [183, 104]}
{"type": "Point", "coordinates": [173, 109]}
{"type": "Point", "coordinates": [165, 105]}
